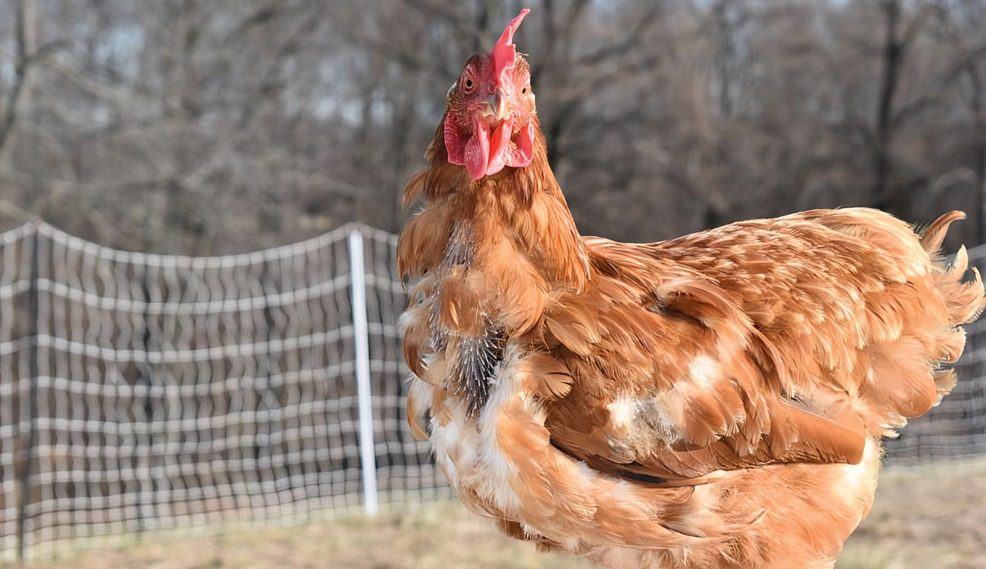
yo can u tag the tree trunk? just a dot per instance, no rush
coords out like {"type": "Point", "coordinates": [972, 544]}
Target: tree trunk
{"type": "Point", "coordinates": [978, 104]}
{"type": "Point", "coordinates": [27, 46]}
{"type": "Point", "coordinates": [890, 78]}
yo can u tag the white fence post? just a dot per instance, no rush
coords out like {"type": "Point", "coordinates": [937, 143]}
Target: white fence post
{"type": "Point", "coordinates": [368, 461]}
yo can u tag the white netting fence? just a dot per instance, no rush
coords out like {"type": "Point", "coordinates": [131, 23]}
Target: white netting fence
{"type": "Point", "coordinates": [146, 392]}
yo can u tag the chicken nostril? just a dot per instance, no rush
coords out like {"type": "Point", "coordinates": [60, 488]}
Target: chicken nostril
{"type": "Point", "coordinates": [496, 106]}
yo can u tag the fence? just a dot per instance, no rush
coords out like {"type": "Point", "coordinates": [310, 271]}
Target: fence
{"type": "Point", "coordinates": [145, 393]}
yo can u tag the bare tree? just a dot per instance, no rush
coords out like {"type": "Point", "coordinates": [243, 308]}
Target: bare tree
{"type": "Point", "coordinates": [27, 47]}
{"type": "Point", "coordinates": [205, 127]}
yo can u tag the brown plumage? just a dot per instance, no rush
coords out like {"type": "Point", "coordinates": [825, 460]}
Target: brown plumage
{"type": "Point", "coordinates": [713, 401]}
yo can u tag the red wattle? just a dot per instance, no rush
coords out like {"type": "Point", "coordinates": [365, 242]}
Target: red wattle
{"type": "Point", "coordinates": [499, 149]}
{"type": "Point", "coordinates": [485, 155]}
{"type": "Point", "coordinates": [477, 152]}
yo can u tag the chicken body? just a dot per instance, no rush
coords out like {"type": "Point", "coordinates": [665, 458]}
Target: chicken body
{"type": "Point", "coordinates": [714, 401]}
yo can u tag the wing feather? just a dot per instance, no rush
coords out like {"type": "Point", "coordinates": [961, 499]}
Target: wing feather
{"type": "Point", "coordinates": [763, 342]}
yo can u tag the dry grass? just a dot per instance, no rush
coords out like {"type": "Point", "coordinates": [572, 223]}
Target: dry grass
{"type": "Point", "coordinates": [923, 519]}
{"type": "Point", "coordinates": [931, 518]}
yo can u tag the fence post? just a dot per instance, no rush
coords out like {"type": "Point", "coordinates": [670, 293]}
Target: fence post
{"type": "Point", "coordinates": [368, 461]}
{"type": "Point", "coordinates": [29, 407]}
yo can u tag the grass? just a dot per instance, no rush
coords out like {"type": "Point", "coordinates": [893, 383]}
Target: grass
{"type": "Point", "coordinates": [929, 518]}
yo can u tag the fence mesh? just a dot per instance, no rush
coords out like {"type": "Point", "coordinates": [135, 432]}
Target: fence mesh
{"type": "Point", "coordinates": [147, 392]}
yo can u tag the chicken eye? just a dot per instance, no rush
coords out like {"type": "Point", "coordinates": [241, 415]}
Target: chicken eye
{"type": "Point", "coordinates": [524, 90]}
{"type": "Point", "coordinates": [468, 85]}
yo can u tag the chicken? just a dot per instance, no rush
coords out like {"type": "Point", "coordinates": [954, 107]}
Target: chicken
{"type": "Point", "coordinates": [713, 401]}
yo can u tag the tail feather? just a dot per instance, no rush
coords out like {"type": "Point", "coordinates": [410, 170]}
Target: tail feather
{"type": "Point", "coordinates": [911, 373]}
{"type": "Point", "coordinates": [933, 236]}
{"type": "Point", "coordinates": [945, 380]}
{"type": "Point", "coordinates": [965, 300]}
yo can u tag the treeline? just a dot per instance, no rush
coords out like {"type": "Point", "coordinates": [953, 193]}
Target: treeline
{"type": "Point", "coordinates": [213, 126]}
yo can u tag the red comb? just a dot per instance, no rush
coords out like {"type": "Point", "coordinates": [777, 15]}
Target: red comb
{"type": "Point", "coordinates": [504, 51]}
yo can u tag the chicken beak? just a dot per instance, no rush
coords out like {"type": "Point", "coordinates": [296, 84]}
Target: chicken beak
{"type": "Point", "coordinates": [499, 105]}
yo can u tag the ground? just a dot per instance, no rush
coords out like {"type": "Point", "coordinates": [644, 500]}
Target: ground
{"type": "Point", "coordinates": [929, 518]}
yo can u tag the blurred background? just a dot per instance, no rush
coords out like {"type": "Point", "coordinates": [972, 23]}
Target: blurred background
{"type": "Point", "coordinates": [166, 393]}
{"type": "Point", "coordinates": [207, 127]}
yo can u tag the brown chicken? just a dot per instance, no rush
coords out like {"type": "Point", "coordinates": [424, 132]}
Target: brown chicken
{"type": "Point", "coordinates": [714, 401]}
